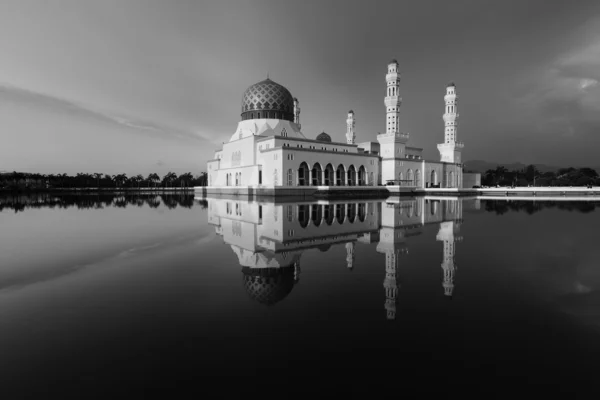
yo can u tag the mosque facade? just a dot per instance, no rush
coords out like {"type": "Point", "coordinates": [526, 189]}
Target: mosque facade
{"type": "Point", "coordinates": [269, 151]}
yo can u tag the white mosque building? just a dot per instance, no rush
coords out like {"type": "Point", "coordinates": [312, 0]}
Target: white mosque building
{"type": "Point", "coordinates": [269, 154]}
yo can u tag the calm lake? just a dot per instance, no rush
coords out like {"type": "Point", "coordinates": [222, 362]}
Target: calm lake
{"type": "Point", "coordinates": [114, 295]}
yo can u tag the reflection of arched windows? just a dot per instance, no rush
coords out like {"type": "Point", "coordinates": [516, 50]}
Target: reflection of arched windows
{"type": "Point", "coordinates": [317, 214]}
{"type": "Point", "coordinates": [290, 213]}
{"type": "Point", "coordinates": [434, 207]}
{"type": "Point", "coordinates": [303, 215]}
{"type": "Point", "coordinates": [418, 207]}
{"type": "Point", "coordinates": [328, 214]}
{"type": "Point", "coordinates": [351, 212]}
{"type": "Point", "coordinates": [362, 212]}
{"type": "Point", "coordinates": [340, 213]}
{"type": "Point", "coordinates": [409, 212]}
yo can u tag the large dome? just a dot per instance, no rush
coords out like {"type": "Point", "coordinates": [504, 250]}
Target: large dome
{"type": "Point", "coordinates": [267, 99]}
{"type": "Point", "coordinates": [268, 285]}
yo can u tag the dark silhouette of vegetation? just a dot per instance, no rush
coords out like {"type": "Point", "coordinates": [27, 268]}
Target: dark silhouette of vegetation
{"type": "Point", "coordinates": [85, 201]}
{"type": "Point", "coordinates": [530, 176]}
{"type": "Point", "coordinates": [98, 181]}
{"type": "Point", "coordinates": [531, 207]}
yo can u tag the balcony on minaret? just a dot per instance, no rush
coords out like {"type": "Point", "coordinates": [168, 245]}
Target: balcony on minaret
{"type": "Point", "coordinates": [401, 137]}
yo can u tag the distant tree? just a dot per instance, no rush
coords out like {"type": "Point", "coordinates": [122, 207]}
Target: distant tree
{"type": "Point", "coordinates": [186, 178]}
{"type": "Point", "coordinates": [97, 175]}
{"type": "Point", "coordinates": [154, 178]}
{"type": "Point", "coordinates": [168, 178]}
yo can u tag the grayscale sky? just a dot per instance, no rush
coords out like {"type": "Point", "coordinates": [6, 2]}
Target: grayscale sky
{"type": "Point", "coordinates": [141, 86]}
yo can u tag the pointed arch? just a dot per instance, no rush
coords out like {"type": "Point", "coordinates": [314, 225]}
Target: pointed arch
{"type": "Point", "coordinates": [340, 175]}
{"type": "Point", "coordinates": [316, 175]}
{"type": "Point", "coordinates": [329, 175]}
{"type": "Point", "coordinates": [303, 174]}
{"type": "Point", "coordinates": [362, 176]}
{"type": "Point", "coordinates": [351, 176]}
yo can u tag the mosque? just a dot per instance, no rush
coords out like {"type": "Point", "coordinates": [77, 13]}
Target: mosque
{"type": "Point", "coordinates": [268, 153]}
{"type": "Point", "coordinates": [269, 238]}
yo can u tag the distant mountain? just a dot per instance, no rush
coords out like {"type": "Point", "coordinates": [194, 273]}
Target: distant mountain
{"type": "Point", "coordinates": [482, 166]}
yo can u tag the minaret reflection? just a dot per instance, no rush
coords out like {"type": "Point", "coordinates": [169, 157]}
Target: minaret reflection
{"type": "Point", "coordinates": [269, 238]}
{"type": "Point", "coordinates": [448, 234]}
{"type": "Point", "coordinates": [350, 255]}
{"type": "Point", "coordinates": [400, 218]}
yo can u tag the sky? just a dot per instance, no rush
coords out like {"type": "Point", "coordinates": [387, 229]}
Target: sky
{"type": "Point", "coordinates": [141, 86]}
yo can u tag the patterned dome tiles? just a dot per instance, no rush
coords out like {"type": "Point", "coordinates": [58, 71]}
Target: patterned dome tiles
{"type": "Point", "coordinates": [267, 95]}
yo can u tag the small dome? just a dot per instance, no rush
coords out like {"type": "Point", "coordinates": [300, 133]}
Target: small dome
{"type": "Point", "coordinates": [324, 247]}
{"type": "Point", "coordinates": [351, 112]}
{"type": "Point", "coordinates": [268, 285]}
{"type": "Point", "coordinates": [451, 84]}
{"type": "Point", "coordinates": [267, 99]}
{"type": "Point", "coordinates": [394, 61]}
{"type": "Point", "coordinates": [323, 137]}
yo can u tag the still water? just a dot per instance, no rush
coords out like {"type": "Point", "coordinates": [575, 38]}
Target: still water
{"type": "Point", "coordinates": [113, 295]}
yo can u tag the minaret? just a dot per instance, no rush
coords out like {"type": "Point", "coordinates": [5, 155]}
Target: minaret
{"type": "Point", "coordinates": [446, 234]}
{"type": "Point", "coordinates": [350, 123]}
{"type": "Point", "coordinates": [392, 101]}
{"type": "Point", "coordinates": [297, 112]}
{"type": "Point", "coordinates": [450, 150]}
{"type": "Point", "coordinates": [393, 142]}
{"type": "Point", "coordinates": [350, 255]}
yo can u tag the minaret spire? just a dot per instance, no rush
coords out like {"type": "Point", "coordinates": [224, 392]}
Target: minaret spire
{"type": "Point", "coordinates": [450, 150]}
{"type": "Point", "coordinates": [350, 124]}
{"type": "Point", "coordinates": [392, 99]}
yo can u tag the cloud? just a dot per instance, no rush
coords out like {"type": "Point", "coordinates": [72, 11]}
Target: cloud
{"type": "Point", "coordinates": [57, 104]}
{"type": "Point", "coordinates": [564, 97]}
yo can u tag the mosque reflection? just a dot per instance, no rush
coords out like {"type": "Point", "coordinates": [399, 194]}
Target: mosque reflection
{"type": "Point", "coordinates": [269, 238]}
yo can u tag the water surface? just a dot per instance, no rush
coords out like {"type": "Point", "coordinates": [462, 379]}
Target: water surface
{"type": "Point", "coordinates": [103, 294]}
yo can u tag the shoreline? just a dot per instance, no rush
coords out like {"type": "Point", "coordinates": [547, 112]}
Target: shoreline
{"type": "Point", "coordinates": [96, 190]}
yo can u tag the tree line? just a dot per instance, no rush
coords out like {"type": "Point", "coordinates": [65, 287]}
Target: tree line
{"type": "Point", "coordinates": [530, 176]}
{"type": "Point", "coordinates": [16, 180]}
{"type": "Point", "coordinates": [20, 203]}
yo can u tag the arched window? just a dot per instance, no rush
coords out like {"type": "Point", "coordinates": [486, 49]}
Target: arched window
{"type": "Point", "coordinates": [417, 178]}
{"type": "Point", "coordinates": [410, 177]}
{"type": "Point", "coordinates": [401, 178]}
{"type": "Point", "coordinates": [275, 180]}
{"type": "Point", "coordinates": [290, 175]}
